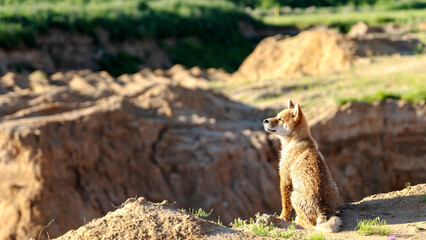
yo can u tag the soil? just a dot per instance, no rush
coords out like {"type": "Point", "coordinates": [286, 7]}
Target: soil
{"type": "Point", "coordinates": [403, 211]}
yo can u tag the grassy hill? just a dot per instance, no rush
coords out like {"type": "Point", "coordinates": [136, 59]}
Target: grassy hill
{"type": "Point", "coordinates": [201, 33]}
{"type": "Point", "coordinates": [205, 32]}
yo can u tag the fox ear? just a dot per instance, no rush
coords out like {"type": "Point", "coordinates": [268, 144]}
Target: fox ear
{"type": "Point", "coordinates": [290, 103]}
{"type": "Point", "coordinates": [297, 112]}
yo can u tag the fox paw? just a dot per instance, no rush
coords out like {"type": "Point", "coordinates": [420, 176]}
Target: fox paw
{"type": "Point", "coordinates": [282, 218]}
{"type": "Point", "coordinates": [267, 219]}
{"type": "Point", "coordinates": [300, 221]}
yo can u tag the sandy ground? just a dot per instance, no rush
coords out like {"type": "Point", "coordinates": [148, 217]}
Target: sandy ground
{"type": "Point", "coordinates": [403, 210]}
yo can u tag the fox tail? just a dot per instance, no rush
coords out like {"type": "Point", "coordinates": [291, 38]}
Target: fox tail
{"type": "Point", "coordinates": [331, 225]}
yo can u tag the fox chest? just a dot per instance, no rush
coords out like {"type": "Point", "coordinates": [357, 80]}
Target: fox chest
{"type": "Point", "coordinates": [284, 165]}
{"type": "Point", "coordinates": [288, 158]}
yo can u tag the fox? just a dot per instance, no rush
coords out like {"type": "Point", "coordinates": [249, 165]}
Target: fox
{"type": "Point", "coordinates": [306, 184]}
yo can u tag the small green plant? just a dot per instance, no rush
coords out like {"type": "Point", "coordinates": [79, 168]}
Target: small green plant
{"type": "Point", "coordinates": [288, 233]}
{"type": "Point", "coordinates": [423, 199]}
{"type": "Point", "coordinates": [407, 184]}
{"type": "Point", "coordinates": [261, 229]}
{"type": "Point", "coordinates": [200, 212]}
{"type": "Point", "coordinates": [238, 222]}
{"type": "Point", "coordinates": [220, 223]}
{"type": "Point", "coordinates": [372, 226]}
{"type": "Point", "coordinates": [413, 96]}
{"type": "Point", "coordinates": [314, 236]}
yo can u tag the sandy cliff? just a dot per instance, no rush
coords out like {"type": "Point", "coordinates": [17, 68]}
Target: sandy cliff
{"type": "Point", "coordinates": [74, 144]}
{"type": "Point", "coordinates": [139, 219]}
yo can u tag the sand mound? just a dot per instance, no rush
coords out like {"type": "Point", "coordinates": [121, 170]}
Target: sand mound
{"type": "Point", "coordinates": [317, 52]}
{"type": "Point", "coordinates": [141, 219]}
{"type": "Point", "coordinates": [310, 52]}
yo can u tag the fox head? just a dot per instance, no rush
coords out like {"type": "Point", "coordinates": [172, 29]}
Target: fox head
{"type": "Point", "coordinates": [285, 122]}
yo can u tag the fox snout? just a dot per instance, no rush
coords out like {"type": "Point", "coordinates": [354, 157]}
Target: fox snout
{"type": "Point", "coordinates": [268, 125]}
{"type": "Point", "coordinates": [270, 121]}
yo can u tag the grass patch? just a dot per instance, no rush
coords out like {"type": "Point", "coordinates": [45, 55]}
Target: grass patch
{"type": "Point", "coordinates": [343, 20]}
{"type": "Point", "coordinates": [416, 95]}
{"type": "Point", "coordinates": [423, 199]}
{"type": "Point", "coordinates": [404, 5]}
{"type": "Point", "coordinates": [259, 227]}
{"type": "Point", "coordinates": [374, 226]}
{"type": "Point", "coordinates": [238, 222]}
{"type": "Point", "coordinates": [200, 212]}
{"type": "Point", "coordinates": [378, 96]}
{"type": "Point", "coordinates": [314, 236]}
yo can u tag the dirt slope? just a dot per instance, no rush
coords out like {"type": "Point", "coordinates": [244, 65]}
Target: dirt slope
{"type": "Point", "coordinates": [140, 219]}
{"type": "Point", "coordinates": [403, 211]}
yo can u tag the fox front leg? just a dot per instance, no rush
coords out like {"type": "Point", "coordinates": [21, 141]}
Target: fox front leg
{"type": "Point", "coordinates": [285, 187]}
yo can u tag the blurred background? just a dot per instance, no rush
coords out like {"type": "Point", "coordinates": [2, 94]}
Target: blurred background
{"type": "Point", "coordinates": [102, 100]}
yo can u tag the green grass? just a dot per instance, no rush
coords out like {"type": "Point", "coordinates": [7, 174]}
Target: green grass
{"type": "Point", "coordinates": [407, 185]}
{"type": "Point", "coordinates": [205, 32]}
{"type": "Point", "coordinates": [220, 223]}
{"type": "Point", "coordinates": [423, 199]}
{"type": "Point", "coordinates": [238, 222]}
{"type": "Point", "coordinates": [407, 4]}
{"type": "Point", "coordinates": [344, 20]}
{"type": "Point", "coordinates": [200, 212]}
{"type": "Point", "coordinates": [374, 226]}
{"type": "Point", "coordinates": [314, 236]}
{"type": "Point", "coordinates": [416, 95]}
{"type": "Point", "coordinates": [259, 227]}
